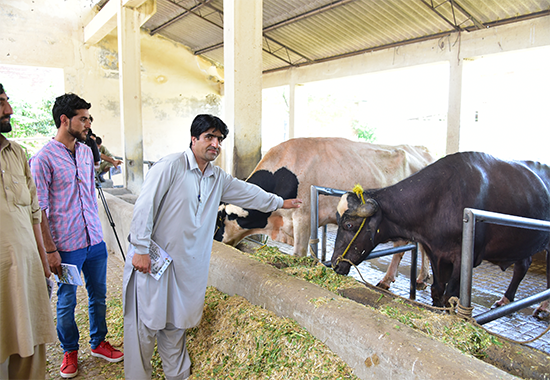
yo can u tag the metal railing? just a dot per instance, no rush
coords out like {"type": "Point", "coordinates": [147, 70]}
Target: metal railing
{"type": "Point", "coordinates": [148, 163]}
{"type": "Point", "coordinates": [471, 217]}
{"type": "Point", "coordinates": [314, 236]}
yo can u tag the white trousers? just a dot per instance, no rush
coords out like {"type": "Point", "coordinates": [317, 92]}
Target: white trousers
{"type": "Point", "coordinates": [139, 344]}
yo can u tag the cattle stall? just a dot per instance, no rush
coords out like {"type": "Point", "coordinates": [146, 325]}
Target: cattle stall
{"type": "Point", "coordinates": [488, 278]}
{"type": "Point", "coordinates": [471, 217]}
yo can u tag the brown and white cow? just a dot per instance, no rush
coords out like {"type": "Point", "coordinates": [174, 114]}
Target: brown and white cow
{"type": "Point", "coordinates": [290, 168]}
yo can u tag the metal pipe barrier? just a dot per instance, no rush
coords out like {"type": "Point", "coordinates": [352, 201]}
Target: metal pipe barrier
{"type": "Point", "coordinates": [414, 262]}
{"type": "Point", "coordinates": [471, 217]}
{"type": "Point", "coordinates": [148, 163]}
{"type": "Point", "coordinates": [512, 307]}
{"type": "Point", "coordinates": [314, 237]}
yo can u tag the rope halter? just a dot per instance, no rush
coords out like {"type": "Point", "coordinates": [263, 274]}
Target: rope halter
{"type": "Point", "coordinates": [358, 190]}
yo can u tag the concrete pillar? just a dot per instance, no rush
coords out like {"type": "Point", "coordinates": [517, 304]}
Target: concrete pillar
{"type": "Point", "coordinates": [291, 105]}
{"type": "Point", "coordinates": [129, 58]}
{"type": "Point", "coordinates": [455, 100]}
{"type": "Point", "coordinates": [243, 81]}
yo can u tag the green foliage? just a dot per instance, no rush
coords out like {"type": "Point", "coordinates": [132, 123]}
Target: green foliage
{"type": "Point", "coordinates": [31, 120]}
{"type": "Point", "coordinates": [363, 132]}
{"type": "Point", "coordinates": [327, 112]}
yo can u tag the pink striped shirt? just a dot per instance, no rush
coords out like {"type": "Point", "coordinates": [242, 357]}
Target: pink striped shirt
{"type": "Point", "coordinates": [66, 191]}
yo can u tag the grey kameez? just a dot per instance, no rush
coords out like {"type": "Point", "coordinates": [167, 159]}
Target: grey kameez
{"type": "Point", "coordinates": [177, 208]}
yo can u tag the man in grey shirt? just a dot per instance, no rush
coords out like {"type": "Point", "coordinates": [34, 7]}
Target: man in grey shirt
{"type": "Point", "coordinates": [177, 209]}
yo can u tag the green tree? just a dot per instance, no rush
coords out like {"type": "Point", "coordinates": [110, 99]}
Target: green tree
{"type": "Point", "coordinates": [32, 120]}
{"type": "Point", "coordinates": [363, 132]}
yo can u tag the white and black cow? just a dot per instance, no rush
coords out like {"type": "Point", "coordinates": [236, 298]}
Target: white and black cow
{"type": "Point", "coordinates": [290, 168]}
{"type": "Point", "coordinates": [427, 207]}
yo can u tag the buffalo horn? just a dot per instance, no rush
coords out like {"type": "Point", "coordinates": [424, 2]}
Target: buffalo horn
{"type": "Point", "coordinates": [367, 209]}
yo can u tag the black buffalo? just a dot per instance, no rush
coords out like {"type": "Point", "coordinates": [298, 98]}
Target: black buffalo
{"type": "Point", "coordinates": [427, 207]}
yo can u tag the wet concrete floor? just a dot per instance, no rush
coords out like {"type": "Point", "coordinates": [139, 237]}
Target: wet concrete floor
{"type": "Point", "coordinates": [489, 284]}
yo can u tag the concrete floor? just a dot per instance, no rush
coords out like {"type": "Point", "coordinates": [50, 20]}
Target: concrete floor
{"type": "Point", "coordinates": [489, 284]}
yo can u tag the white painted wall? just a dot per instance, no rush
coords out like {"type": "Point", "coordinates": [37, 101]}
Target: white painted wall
{"type": "Point", "coordinates": [176, 85]}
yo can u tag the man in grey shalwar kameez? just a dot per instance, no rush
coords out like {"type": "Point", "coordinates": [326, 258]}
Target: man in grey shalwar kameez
{"type": "Point", "coordinates": [177, 209]}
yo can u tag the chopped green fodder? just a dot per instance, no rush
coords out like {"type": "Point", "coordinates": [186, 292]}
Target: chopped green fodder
{"type": "Point", "coordinates": [234, 340]}
{"type": "Point", "coordinates": [306, 268]}
{"type": "Point", "coordinates": [450, 329]}
{"type": "Point", "coordinates": [238, 340]}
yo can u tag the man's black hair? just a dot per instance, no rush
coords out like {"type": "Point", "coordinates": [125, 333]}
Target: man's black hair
{"type": "Point", "coordinates": [98, 140]}
{"type": "Point", "coordinates": [204, 122]}
{"type": "Point", "coordinates": [68, 105]}
{"type": "Point", "coordinates": [1, 89]}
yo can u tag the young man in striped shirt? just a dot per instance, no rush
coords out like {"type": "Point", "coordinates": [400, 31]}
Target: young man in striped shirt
{"type": "Point", "coordinates": [64, 174]}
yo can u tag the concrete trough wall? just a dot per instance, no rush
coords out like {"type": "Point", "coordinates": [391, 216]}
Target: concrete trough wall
{"type": "Point", "coordinates": [375, 346]}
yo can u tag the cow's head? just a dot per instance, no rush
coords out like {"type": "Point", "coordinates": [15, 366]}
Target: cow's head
{"type": "Point", "coordinates": [358, 223]}
{"type": "Point", "coordinates": [235, 223]}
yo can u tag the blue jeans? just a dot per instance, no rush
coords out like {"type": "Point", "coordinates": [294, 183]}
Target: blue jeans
{"type": "Point", "coordinates": [92, 261]}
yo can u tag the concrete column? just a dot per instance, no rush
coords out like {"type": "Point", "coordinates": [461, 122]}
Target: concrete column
{"type": "Point", "coordinates": [455, 100]}
{"type": "Point", "coordinates": [291, 106]}
{"type": "Point", "coordinates": [129, 58]}
{"type": "Point", "coordinates": [243, 81]}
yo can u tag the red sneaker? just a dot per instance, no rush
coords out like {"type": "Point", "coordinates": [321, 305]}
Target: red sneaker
{"type": "Point", "coordinates": [107, 352]}
{"type": "Point", "coordinates": [69, 368]}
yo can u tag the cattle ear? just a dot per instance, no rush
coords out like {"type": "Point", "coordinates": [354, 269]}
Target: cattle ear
{"type": "Point", "coordinates": [367, 209]}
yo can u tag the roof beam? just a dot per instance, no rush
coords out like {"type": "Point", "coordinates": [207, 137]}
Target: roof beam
{"type": "Point", "coordinates": [106, 19]}
{"type": "Point", "coordinates": [185, 13]}
{"type": "Point", "coordinates": [313, 12]}
{"type": "Point", "coordinates": [453, 4]}
{"type": "Point", "coordinates": [316, 11]}
{"type": "Point", "coordinates": [477, 23]}
{"type": "Point", "coordinates": [289, 21]}
{"type": "Point", "coordinates": [492, 24]}
{"type": "Point", "coordinates": [286, 48]}
{"type": "Point", "coordinates": [367, 50]}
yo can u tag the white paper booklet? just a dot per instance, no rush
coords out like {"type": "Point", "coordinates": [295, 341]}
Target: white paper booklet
{"type": "Point", "coordinates": [70, 275]}
{"type": "Point", "coordinates": [159, 259]}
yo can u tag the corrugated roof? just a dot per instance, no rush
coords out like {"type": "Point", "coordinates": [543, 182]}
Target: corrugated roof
{"type": "Point", "coordinates": [298, 32]}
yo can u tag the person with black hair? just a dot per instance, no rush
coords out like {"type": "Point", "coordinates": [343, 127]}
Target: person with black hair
{"type": "Point", "coordinates": [177, 210]}
{"type": "Point", "coordinates": [63, 171]}
{"type": "Point", "coordinates": [92, 143]}
{"type": "Point", "coordinates": [26, 322]}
